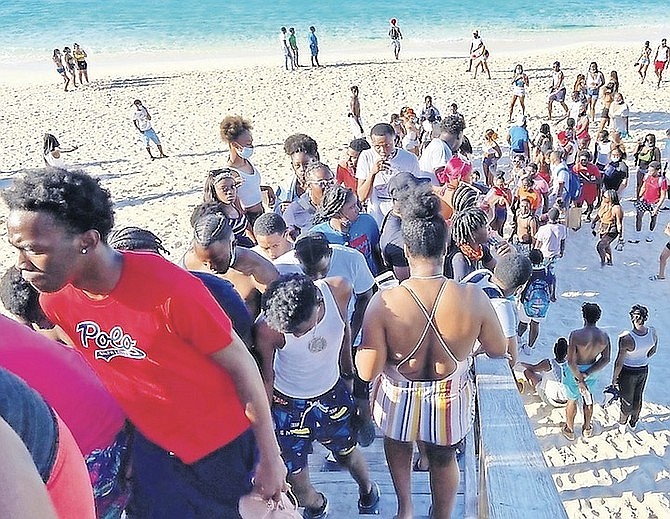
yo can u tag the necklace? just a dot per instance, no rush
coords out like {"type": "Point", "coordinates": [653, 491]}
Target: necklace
{"type": "Point", "coordinates": [436, 276]}
{"type": "Point", "coordinates": [317, 344]}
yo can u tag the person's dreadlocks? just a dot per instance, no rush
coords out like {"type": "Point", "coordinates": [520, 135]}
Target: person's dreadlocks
{"type": "Point", "coordinates": [135, 238]}
{"type": "Point", "coordinates": [464, 224]}
{"type": "Point", "coordinates": [464, 196]}
{"type": "Point", "coordinates": [334, 199]}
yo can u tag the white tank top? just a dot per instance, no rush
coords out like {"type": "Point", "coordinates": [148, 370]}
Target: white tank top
{"type": "Point", "coordinates": [603, 152]}
{"type": "Point", "coordinates": [249, 191]}
{"type": "Point", "coordinates": [54, 162]}
{"type": "Point", "coordinates": [304, 370]}
{"type": "Point", "coordinates": [643, 343]}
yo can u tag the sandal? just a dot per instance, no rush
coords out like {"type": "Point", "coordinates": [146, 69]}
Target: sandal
{"type": "Point", "coordinates": [417, 466]}
{"type": "Point", "coordinates": [569, 435]}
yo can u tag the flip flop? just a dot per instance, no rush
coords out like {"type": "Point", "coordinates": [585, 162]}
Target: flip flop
{"type": "Point", "coordinates": [569, 435]}
{"type": "Point", "coordinates": [417, 466]}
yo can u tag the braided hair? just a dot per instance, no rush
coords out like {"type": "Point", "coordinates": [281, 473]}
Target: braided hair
{"type": "Point", "coordinates": [135, 238]}
{"type": "Point", "coordinates": [210, 228]}
{"type": "Point", "coordinates": [464, 224]}
{"type": "Point", "coordinates": [464, 196]}
{"type": "Point", "coordinates": [334, 199]}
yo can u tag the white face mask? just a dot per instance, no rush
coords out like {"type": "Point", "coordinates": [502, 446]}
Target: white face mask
{"type": "Point", "coordinates": [246, 152]}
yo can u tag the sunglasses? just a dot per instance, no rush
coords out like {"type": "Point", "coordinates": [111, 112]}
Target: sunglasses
{"type": "Point", "coordinates": [323, 183]}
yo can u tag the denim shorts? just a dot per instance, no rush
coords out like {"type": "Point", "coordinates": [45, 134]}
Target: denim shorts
{"type": "Point", "coordinates": [163, 487]}
{"type": "Point", "coordinates": [326, 419]}
{"type": "Point", "coordinates": [150, 135]}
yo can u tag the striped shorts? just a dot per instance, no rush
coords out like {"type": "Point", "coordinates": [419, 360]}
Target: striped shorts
{"type": "Point", "coordinates": [440, 412]}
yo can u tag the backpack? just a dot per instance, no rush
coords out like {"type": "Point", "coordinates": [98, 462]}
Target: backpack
{"type": "Point", "coordinates": [536, 298]}
{"type": "Point", "coordinates": [574, 187]}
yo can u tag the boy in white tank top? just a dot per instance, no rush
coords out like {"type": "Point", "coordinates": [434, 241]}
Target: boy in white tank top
{"type": "Point", "coordinates": [304, 343]}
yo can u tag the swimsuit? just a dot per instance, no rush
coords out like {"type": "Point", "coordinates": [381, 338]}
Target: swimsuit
{"type": "Point", "coordinates": [570, 383]}
{"type": "Point", "coordinates": [439, 412]}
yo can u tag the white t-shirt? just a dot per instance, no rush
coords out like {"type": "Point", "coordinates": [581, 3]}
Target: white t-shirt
{"type": "Point", "coordinates": [345, 262]}
{"type": "Point", "coordinates": [379, 202]}
{"type": "Point", "coordinates": [141, 115]}
{"type": "Point", "coordinates": [505, 308]}
{"type": "Point", "coordinates": [550, 237]}
{"type": "Point", "coordinates": [476, 43]}
{"type": "Point", "coordinates": [436, 155]}
{"type": "Point", "coordinates": [663, 53]}
{"type": "Point", "coordinates": [559, 175]}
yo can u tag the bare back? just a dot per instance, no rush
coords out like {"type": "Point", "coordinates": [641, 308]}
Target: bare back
{"type": "Point", "coordinates": [462, 316]}
{"type": "Point", "coordinates": [590, 342]}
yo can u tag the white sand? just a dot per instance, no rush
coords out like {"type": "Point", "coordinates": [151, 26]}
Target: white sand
{"type": "Point", "coordinates": [609, 475]}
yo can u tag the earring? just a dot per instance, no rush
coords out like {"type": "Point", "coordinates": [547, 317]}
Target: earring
{"type": "Point", "coordinates": [84, 251]}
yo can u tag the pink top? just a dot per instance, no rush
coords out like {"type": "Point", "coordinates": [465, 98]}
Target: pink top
{"type": "Point", "coordinates": [64, 379]}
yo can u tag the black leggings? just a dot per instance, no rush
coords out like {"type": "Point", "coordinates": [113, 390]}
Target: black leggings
{"type": "Point", "coordinates": [631, 385]}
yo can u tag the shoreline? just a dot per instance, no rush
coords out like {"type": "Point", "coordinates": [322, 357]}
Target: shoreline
{"type": "Point", "coordinates": [220, 58]}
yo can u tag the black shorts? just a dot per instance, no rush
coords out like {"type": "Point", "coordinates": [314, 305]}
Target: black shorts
{"type": "Point", "coordinates": [82, 65]}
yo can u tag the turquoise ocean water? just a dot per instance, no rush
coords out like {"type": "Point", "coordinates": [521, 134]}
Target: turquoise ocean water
{"type": "Point", "coordinates": [29, 29]}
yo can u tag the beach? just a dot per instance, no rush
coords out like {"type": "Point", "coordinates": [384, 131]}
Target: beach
{"type": "Point", "coordinates": [611, 474]}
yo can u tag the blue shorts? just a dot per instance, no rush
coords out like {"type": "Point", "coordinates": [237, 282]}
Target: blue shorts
{"type": "Point", "coordinates": [592, 93]}
{"type": "Point", "coordinates": [570, 383]}
{"type": "Point", "coordinates": [150, 135]}
{"type": "Point", "coordinates": [166, 488]}
{"type": "Point", "coordinates": [326, 418]}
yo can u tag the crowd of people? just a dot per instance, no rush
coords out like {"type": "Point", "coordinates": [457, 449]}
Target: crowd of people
{"type": "Point", "coordinates": [292, 316]}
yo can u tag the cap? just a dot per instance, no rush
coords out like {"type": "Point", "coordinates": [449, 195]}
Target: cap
{"type": "Point", "coordinates": [403, 181]}
{"type": "Point", "coordinates": [137, 102]}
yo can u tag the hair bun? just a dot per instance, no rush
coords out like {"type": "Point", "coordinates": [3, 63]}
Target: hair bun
{"type": "Point", "coordinates": [419, 203]}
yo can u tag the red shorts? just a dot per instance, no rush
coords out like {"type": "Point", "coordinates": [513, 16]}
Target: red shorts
{"type": "Point", "coordinates": [659, 65]}
{"type": "Point", "coordinates": [69, 485]}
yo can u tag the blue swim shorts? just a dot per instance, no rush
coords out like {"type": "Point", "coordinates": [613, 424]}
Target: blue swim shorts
{"type": "Point", "coordinates": [150, 135]}
{"type": "Point", "coordinates": [592, 93]}
{"type": "Point", "coordinates": [326, 419]}
{"type": "Point", "coordinates": [570, 383]}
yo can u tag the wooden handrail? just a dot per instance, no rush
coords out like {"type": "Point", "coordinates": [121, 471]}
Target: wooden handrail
{"type": "Point", "coordinates": [514, 480]}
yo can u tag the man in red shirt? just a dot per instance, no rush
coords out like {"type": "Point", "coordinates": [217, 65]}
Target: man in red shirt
{"type": "Point", "coordinates": [590, 178]}
{"type": "Point", "coordinates": [158, 341]}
